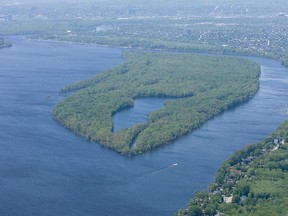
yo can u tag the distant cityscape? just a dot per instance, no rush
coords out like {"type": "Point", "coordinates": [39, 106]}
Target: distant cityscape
{"type": "Point", "coordinates": [245, 26]}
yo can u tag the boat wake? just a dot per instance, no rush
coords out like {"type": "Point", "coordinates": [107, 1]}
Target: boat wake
{"type": "Point", "coordinates": [153, 172]}
{"type": "Point", "coordinates": [173, 165]}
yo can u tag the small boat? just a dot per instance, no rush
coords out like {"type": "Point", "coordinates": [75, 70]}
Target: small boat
{"type": "Point", "coordinates": [175, 164]}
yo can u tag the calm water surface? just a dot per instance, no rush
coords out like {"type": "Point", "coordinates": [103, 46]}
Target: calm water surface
{"type": "Point", "coordinates": [138, 113]}
{"type": "Point", "coordinates": [47, 170]}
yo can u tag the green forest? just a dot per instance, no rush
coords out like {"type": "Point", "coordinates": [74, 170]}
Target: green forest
{"type": "Point", "coordinates": [203, 87]}
{"type": "Point", "coordinates": [253, 181]}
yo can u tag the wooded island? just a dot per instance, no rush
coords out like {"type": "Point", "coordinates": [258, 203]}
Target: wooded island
{"type": "Point", "coordinates": [203, 87]}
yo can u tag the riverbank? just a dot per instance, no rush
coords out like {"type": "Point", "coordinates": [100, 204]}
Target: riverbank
{"type": "Point", "coordinates": [161, 45]}
{"type": "Point", "coordinates": [251, 182]}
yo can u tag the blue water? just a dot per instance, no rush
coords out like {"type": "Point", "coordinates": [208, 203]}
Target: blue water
{"type": "Point", "coordinates": [46, 170]}
{"type": "Point", "coordinates": [138, 113]}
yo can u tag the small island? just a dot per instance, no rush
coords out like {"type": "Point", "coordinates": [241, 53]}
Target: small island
{"type": "Point", "coordinates": [253, 181]}
{"type": "Point", "coordinates": [4, 44]}
{"type": "Point", "coordinates": [202, 87]}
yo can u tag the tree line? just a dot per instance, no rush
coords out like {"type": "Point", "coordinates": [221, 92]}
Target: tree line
{"type": "Point", "coordinates": [254, 178]}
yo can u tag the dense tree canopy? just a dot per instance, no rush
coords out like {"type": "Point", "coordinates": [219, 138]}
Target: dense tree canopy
{"type": "Point", "coordinates": [255, 177]}
{"type": "Point", "coordinates": [203, 86]}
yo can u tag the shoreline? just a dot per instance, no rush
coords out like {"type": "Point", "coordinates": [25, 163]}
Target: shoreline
{"type": "Point", "coordinates": [218, 51]}
{"type": "Point", "coordinates": [235, 188]}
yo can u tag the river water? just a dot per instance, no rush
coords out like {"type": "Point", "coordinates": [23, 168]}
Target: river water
{"type": "Point", "coordinates": [47, 170]}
